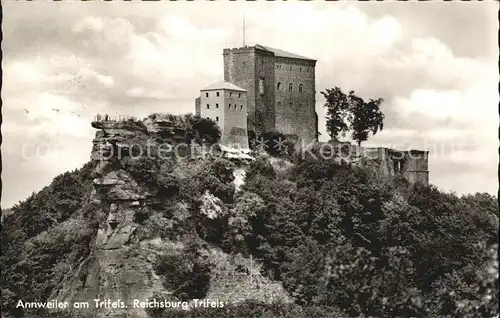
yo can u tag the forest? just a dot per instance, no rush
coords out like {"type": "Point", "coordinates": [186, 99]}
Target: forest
{"type": "Point", "coordinates": [343, 241]}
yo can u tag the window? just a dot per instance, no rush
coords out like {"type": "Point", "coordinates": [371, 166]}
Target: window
{"type": "Point", "coordinates": [216, 118]}
{"type": "Point", "coordinates": [217, 106]}
{"type": "Point", "coordinates": [206, 94]}
{"type": "Point", "coordinates": [279, 104]}
{"type": "Point", "coordinates": [278, 86]}
{"type": "Point", "coordinates": [239, 95]}
{"type": "Point", "coordinates": [290, 87]}
{"type": "Point", "coordinates": [261, 86]}
{"type": "Point", "coordinates": [290, 105]}
{"type": "Point", "coordinates": [217, 94]}
{"type": "Point", "coordinates": [208, 106]}
{"type": "Point", "coordinates": [290, 68]}
{"type": "Point", "coordinates": [300, 70]}
{"type": "Point", "coordinates": [230, 94]}
{"type": "Point", "coordinates": [301, 88]}
{"type": "Point", "coordinates": [241, 107]}
{"type": "Point", "coordinates": [229, 106]}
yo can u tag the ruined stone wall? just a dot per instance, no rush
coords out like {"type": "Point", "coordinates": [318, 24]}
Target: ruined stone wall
{"type": "Point", "coordinates": [415, 166]}
{"type": "Point", "coordinates": [412, 165]}
{"type": "Point", "coordinates": [382, 157]}
{"type": "Point", "coordinates": [295, 108]}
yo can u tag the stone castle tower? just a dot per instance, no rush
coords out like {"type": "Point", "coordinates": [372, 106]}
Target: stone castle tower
{"type": "Point", "coordinates": [280, 86]}
{"type": "Point", "coordinates": [226, 104]}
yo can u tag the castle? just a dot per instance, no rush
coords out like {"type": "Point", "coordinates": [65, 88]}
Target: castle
{"type": "Point", "coordinates": [277, 90]}
{"type": "Point", "coordinates": [267, 89]}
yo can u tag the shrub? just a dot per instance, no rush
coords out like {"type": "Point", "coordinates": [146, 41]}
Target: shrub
{"type": "Point", "coordinates": [203, 130]}
{"type": "Point", "coordinates": [187, 276]}
{"type": "Point", "coordinates": [277, 144]}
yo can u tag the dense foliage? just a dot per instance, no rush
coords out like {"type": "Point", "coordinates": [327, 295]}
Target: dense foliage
{"type": "Point", "coordinates": [46, 235]}
{"type": "Point", "coordinates": [343, 241]}
{"type": "Point", "coordinates": [337, 237]}
{"type": "Point", "coordinates": [188, 275]}
{"type": "Point", "coordinates": [276, 144]}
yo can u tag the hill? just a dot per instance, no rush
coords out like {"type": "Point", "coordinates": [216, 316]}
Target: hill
{"type": "Point", "coordinates": [292, 238]}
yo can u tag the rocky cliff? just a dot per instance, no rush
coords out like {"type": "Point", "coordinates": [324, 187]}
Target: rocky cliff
{"type": "Point", "coordinates": [124, 257]}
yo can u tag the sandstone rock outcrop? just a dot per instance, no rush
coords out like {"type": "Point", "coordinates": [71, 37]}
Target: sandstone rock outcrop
{"type": "Point", "coordinates": [121, 266]}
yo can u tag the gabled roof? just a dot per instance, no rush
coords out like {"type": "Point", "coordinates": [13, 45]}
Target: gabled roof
{"type": "Point", "coordinates": [223, 85]}
{"type": "Point", "coordinates": [278, 52]}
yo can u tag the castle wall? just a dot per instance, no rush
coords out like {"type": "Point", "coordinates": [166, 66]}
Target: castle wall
{"type": "Point", "coordinates": [416, 160]}
{"type": "Point", "coordinates": [265, 115]}
{"type": "Point", "coordinates": [197, 106]}
{"type": "Point", "coordinates": [415, 166]}
{"type": "Point", "coordinates": [239, 69]}
{"type": "Point", "coordinates": [412, 165]}
{"type": "Point", "coordinates": [383, 157]}
{"type": "Point", "coordinates": [417, 177]}
{"type": "Point", "coordinates": [245, 67]}
{"type": "Point", "coordinates": [295, 109]}
{"type": "Point", "coordinates": [212, 107]}
{"type": "Point", "coordinates": [253, 70]}
{"type": "Point", "coordinates": [235, 119]}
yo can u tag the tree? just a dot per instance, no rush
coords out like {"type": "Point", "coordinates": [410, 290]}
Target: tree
{"type": "Point", "coordinates": [348, 112]}
{"type": "Point", "coordinates": [365, 117]}
{"type": "Point", "coordinates": [336, 105]}
{"type": "Point", "coordinates": [205, 129]}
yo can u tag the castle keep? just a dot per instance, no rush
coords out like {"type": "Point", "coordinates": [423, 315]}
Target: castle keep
{"type": "Point", "coordinates": [280, 89]}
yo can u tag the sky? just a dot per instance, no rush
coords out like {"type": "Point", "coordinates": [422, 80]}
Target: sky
{"type": "Point", "coordinates": [434, 64]}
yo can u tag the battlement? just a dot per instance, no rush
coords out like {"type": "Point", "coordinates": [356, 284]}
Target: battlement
{"type": "Point", "coordinates": [245, 50]}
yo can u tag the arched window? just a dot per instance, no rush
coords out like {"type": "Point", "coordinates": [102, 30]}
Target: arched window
{"type": "Point", "coordinates": [301, 88]}
{"type": "Point", "coordinates": [278, 86]}
{"type": "Point", "coordinates": [290, 87]}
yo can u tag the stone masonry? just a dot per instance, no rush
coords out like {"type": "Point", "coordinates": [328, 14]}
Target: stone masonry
{"type": "Point", "coordinates": [281, 89]}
